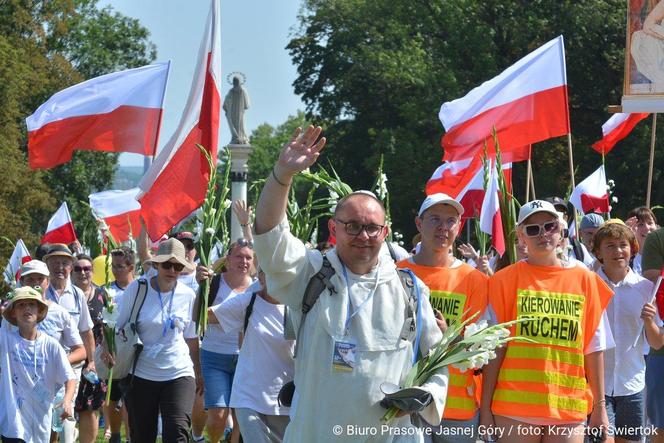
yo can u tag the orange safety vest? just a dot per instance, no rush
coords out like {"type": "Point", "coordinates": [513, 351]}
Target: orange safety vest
{"type": "Point", "coordinates": [453, 291]}
{"type": "Point", "coordinates": [546, 379]}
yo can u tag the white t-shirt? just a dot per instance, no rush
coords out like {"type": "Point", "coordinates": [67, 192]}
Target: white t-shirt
{"type": "Point", "coordinates": [31, 372]}
{"type": "Point", "coordinates": [164, 322]}
{"type": "Point", "coordinates": [625, 366]}
{"type": "Point", "coordinates": [266, 361]}
{"type": "Point", "coordinates": [215, 339]}
{"type": "Point", "coordinates": [73, 300]}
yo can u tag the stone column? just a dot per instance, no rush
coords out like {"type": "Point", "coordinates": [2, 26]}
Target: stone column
{"type": "Point", "coordinates": [239, 157]}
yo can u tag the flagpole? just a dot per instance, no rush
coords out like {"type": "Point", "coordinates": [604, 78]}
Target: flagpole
{"type": "Point", "coordinates": [571, 170]}
{"type": "Point", "coordinates": [529, 172]}
{"type": "Point", "coordinates": [607, 191]}
{"type": "Point", "coordinates": [652, 156]}
{"type": "Point", "coordinates": [532, 179]}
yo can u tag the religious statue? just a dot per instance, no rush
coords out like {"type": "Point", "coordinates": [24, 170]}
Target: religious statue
{"type": "Point", "coordinates": [235, 103]}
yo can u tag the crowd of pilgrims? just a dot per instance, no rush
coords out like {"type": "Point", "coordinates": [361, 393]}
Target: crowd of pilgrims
{"type": "Point", "coordinates": [224, 385]}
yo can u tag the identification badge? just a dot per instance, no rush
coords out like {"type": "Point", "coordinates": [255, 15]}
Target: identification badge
{"type": "Point", "coordinates": [154, 350]}
{"type": "Point", "coordinates": [343, 359]}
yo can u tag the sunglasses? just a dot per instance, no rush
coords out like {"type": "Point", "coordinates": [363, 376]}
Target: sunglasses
{"type": "Point", "coordinates": [169, 265]}
{"type": "Point", "coordinates": [244, 243]}
{"type": "Point", "coordinates": [536, 230]}
{"type": "Point", "coordinates": [82, 268]}
{"type": "Point", "coordinates": [355, 228]}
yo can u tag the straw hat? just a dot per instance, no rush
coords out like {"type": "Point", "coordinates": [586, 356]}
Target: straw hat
{"type": "Point", "coordinates": [25, 293]}
{"type": "Point", "coordinates": [59, 249]}
{"type": "Point", "coordinates": [172, 248]}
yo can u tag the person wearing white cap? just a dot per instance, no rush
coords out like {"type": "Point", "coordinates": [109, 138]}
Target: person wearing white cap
{"type": "Point", "coordinates": [457, 291]}
{"type": "Point", "coordinates": [541, 386]}
{"type": "Point", "coordinates": [58, 323]}
{"type": "Point", "coordinates": [33, 366]}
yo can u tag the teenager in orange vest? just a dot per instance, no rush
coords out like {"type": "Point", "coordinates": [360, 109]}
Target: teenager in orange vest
{"type": "Point", "coordinates": [544, 389]}
{"type": "Point", "coordinates": [457, 291]}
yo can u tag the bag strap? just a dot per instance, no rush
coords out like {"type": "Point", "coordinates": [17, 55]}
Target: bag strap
{"type": "Point", "coordinates": [214, 288]}
{"type": "Point", "coordinates": [249, 310]}
{"type": "Point", "coordinates": [317, 284]}
{"type": "Point", "coordinates": [141, 295]}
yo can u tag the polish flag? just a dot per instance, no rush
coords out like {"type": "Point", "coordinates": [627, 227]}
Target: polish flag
{"type": "Point", "coordinates": [119, 210]}
{"type": "Point", "coordinates": [591, 194]}
{"type": "Point", "coordinates": [526, 103]}
{"type": "Point", "coordinates": [615, 129]}
{"type": "Point", "coordinates": [118, 112]}
{"type": "Point", "coordinates": [60, 228]}
{"type": "Point", "coordinates": [465, 184]}
{"type": "Point", "coordinates": [18, 258]}
{"type": "Point", "coordinates": [176, 183]}
{"type": "Point", "coordinates": [490, 219]}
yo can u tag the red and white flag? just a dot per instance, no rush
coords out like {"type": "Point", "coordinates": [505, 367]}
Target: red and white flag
{"type": "Point", "coordinates": [120, 212]}
{"type": "Point", "coordinates": [176, 183]}
{"type": "Point", "coordinates": [19, 256]}
{"type": "Point", "coordinates": [60, 228]}
{"type": "Point", "coordinates": [464, 181]}
{"type": "Point", "coordinates": [615, 129]}
{"type": "Point", "coordinates": [591, 194]}
{"type": "Point", "coordinates": [118, 112]}
{"type": "Point", "coordinates": [490, 219]}
{"type": "Point", "coordinates": [526, 103]}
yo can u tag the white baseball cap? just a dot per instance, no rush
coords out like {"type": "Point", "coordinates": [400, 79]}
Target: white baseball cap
{"type": "Point", "coordinates": [534, 207]}
{"type": "Point", "coordinates": [34, 267]}
{"type": "Point", "coordinates": [439, 199]}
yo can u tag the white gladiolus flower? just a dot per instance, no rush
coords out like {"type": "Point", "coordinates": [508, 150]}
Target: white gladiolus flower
{"type": "Point", "coordinates": [474, 328]}
{"type": "Point", "coordinates": [614, 199]}
{"type": "Point", "coordinates": [110, 315]}
{"type": "Point", "coordinates": [612, 183]}
{"type": "Point", "coordinates": [227, 204]}
{"type": "Point", "coordinates": [381, 186]}
{"type": "Point", "coordinates": [209, 231]}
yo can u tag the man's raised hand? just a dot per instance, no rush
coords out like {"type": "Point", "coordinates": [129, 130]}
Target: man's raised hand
{"type": "Point", "coordinates": [300, 152]}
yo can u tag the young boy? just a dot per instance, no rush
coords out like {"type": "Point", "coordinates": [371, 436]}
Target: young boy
{"type": "Point", "coordinates": [614, 244]}
{"type": "Point", "coordinates": [642, 221]}
{"type": "Point", "coordinates": [33, 366]}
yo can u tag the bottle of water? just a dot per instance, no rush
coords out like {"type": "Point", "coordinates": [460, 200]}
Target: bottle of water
{"type": "Point", "coordinates": [92, 377]}
{"type": "Point", "coordinates": [56, 422]}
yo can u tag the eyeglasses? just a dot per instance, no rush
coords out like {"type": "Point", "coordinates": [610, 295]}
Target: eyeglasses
{"type": "Point", "coordinates": [355, 228]}
{"type": "Point", "coordinates": [436, 222]}
{"type": "Point", "coordinates": [535, 230]}
{"type": "Point", "coordinates": [118, 267]}
{"type": "Point", "coordinates": [167, 265]}
{"type": "Point", "coordinates": [82, 268]}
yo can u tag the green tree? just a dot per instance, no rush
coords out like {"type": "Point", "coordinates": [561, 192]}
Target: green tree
{"type": "Point", "coordinates": [375, 74]}
{"type": "Point", "coordinates": [46, 46]}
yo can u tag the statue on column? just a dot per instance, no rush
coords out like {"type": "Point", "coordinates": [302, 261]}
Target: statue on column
{"type": "Point", "coordinates": [235, 103]}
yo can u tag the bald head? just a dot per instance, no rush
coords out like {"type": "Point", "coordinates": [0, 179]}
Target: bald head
{"type": "Point", "coordinates": [359, 198]}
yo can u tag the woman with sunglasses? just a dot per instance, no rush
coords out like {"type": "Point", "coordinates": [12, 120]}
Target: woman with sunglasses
{"type": "Point", "coordinates": [544, 388]}
{"type": "Point", "coordinates": [219, 350]}
{"type": "Point", "coordinates": [167, 374]}
{"type": "Point", "coordinates": [90, 396]}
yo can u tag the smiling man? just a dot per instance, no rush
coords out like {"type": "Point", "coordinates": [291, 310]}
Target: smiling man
{"type": "Point", "coordinates": [358, 334]}
{"type": "Point", "coordinates": [458, 291]}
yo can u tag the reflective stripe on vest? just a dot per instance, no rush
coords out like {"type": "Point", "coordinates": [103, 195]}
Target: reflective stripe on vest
{"type": "Point", "coordinates": [540, 381]}
{"type": "Point", "coordinates": [460, 403]}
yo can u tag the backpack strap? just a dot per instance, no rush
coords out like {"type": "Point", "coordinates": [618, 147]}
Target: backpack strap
{"type": "Point", "coordinates": [317, 284]}
{"type": "Point", "coordinates": [248, 311]}
{"type": "Point", "coordinates": [412, 328]}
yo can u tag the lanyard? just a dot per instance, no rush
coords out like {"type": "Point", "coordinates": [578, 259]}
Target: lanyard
{"type": "Point", "coordinates": [349, 315]}
{"type": "Point", "coordinates": [170, 307]}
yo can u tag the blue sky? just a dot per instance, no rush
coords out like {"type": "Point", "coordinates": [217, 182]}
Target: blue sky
{"type": "Point", "coordinates": [254, 34]}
